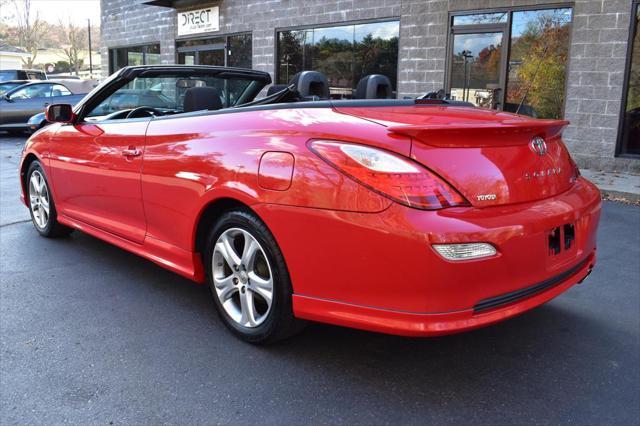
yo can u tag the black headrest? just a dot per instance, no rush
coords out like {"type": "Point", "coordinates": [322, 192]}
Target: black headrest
{"type": "Point", "coordinates": [275, 88]}
{"type": "Point", "coordinates": [201, 98]}
{"type": "Point", "coordinates": [374, 86]}
{"type": "Point", "coordinates": [311, 84]}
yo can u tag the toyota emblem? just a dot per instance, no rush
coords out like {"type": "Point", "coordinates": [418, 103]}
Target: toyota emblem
{"type": "Point", "coordinates": [538, 145]}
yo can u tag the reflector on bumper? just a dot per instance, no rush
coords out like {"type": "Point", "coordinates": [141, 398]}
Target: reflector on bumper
{"type": "Point", "coordinates": [465, 251]}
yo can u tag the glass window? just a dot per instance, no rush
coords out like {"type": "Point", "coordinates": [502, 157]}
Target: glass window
{"type": "Point", "coordinates": [475, 68]}
{"type": "Point", "coordinates": [136, 55]}
{"type": "Point", "coordinates": [8, 75]}
{"type": "Point", "coordinates": [531, 80]}
{"type": "Point", "coordinates": [344, 54]}
{"type": "Point", "coordinates": [5, 87]}
{"type": "Point", "coordinates": [60, 90]}
{"type": "Point", "coordinates": [538, 61]}
{"type": "Point", "coordinates": [333, 56]}
{"type": "Point", "coordinates": [294, 53]}
{"type": "Point", "coordinates": [239, 51]}
{"type": "Point", "coordinates": [376, 50]}
{"type": "Point", "coordinates": [33, 91]}
{"type": "Point", "coordinates": [630, 142]}
{"type": "Point", "coordinates": [152, 55]}
{"type": "Point", "coordinates": [167, 93]}
{"type": "Point", "coordinates": [481, 18]}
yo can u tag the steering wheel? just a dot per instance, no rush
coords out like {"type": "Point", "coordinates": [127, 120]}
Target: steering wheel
{"type": "Point", "coordinates": [134, 113]}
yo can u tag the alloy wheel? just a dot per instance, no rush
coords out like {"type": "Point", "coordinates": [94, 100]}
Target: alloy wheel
{"type": "Point", "coordinates": [39, 199]}
{"type": "Point", "coordinates": [242, 277]}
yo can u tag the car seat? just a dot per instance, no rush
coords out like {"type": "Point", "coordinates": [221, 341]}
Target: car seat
{"type": "Point", "coordinates": [374, 86]}
{"type": "Point", "coordinates": [202, 98]}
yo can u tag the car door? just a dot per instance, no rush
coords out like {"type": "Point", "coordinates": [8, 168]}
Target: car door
{"type": "Point", "coordinates": [21, 103]}
{"type": "Point", "coordinates": [95, 171]}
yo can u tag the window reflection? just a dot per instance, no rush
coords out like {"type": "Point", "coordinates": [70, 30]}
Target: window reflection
{"type": "Point", "coordinates": [376, 50]}
{"type": "Point", "coordinates": [481, 18]}
{"type": "Point", "coordinates": [631, 119]}
{"type": "Point", "coordinates": [475, 68]}
{"type": "Point", "coordinates": [333, 56]}
{"type": "Point", "coordinates": [239, 51]}
{"type": "Point", "coordinates": [538, 62]}
{"type": "Point", "coordinates": [294, 53]}
{"type": "Point", "coordinates": [531, 80]}
{"type": "Point", "coordinates": [344, 54]}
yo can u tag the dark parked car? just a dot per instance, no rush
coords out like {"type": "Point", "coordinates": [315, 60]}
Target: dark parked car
{"type": "Point", "coordinates": [6, 75]}
{"type": "Point", "coordinates": [20, 103]}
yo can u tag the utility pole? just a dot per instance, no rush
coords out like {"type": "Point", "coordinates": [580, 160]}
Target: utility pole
{"type": "Point", "coordinates": [90, 60]}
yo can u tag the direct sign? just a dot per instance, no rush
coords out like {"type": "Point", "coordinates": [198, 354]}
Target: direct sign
{"type": "Point", "coordinates": [199, 21]}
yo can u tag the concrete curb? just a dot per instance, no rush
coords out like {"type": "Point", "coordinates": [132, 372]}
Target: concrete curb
{"type": "Point", "coordinates": [615, 186]}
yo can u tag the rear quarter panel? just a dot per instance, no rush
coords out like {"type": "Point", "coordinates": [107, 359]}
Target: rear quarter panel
{"type": "Point", "coordinates": [192, 161]}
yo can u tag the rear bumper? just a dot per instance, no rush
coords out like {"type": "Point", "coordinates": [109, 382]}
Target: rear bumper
{"type": "Point", "coordinates": [422, 325]}
{"type": "Point", "coordinates": [379, 271]}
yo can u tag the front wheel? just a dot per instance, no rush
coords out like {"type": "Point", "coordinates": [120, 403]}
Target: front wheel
{"type": "Point", "coordinates": [41, 206]}
{"type": "Point", "coordinates": [249, 280]}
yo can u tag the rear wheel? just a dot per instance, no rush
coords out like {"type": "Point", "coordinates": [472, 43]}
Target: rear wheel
{"type": "Point", "coordinates": [249, 280]}
{"type": "Point", "coordinates": [41, 206]}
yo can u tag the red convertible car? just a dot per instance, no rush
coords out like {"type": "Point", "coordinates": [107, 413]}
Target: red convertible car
{"type": "Point", "coordinates": [411, 217]}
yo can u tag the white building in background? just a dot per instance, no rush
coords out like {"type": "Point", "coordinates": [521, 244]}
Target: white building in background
{"type": "Point", "coordinates": [11, 57]}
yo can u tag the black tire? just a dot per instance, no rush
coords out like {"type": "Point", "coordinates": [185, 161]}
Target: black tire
{"type": "Point", "coordinates": [52, 229]}
{"type": "Point", "coordinates": [279, 323]}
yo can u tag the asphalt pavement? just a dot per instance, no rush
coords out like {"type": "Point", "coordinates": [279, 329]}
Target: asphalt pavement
{"type": "Point", "coordinates": [90, 334]}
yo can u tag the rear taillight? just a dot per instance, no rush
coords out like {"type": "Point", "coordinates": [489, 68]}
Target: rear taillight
{"type": "Point", "coordinates": [388, 174]}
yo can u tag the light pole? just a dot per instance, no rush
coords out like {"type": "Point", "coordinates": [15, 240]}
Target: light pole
{"type": "Point", "coordinates": [467, 55]}
{"type": "Point", "coordinates": [90, 59]}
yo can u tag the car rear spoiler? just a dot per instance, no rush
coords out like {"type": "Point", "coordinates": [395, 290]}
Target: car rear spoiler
{"type": "Point", "coordinates": [502, 133]}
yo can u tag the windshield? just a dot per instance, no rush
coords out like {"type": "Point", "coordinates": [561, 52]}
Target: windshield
{"type": "Point", "coordinates": [167, 93]}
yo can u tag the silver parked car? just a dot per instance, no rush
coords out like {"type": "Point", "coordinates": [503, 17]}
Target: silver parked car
{"type": "Point", "coordinates": [17, 105]}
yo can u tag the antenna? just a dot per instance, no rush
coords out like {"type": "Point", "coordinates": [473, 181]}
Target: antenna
{"type": "Point", "coordinates": [535, 74]}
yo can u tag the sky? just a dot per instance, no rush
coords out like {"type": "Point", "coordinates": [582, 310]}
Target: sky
{"type": "Point", "coordinates": [52, 11]}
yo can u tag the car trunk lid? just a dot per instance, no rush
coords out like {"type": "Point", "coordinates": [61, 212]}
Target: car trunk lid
{"type": "Point", "coordinates": [492, 158]}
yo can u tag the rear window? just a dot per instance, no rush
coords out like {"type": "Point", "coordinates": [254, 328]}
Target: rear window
{"type": "Point", "coordinates": [8, 75]}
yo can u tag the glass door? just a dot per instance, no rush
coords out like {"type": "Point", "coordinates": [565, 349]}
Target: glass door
{"type": "Point", "coordinates": [476, 72]}
{"type": "Point", "coordinates": [202, 55]}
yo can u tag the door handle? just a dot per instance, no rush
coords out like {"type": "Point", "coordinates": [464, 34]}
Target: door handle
{"type": "Point", "coordinates": [131, 152]}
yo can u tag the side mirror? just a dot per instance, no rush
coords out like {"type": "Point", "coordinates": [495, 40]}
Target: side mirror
{"type": "Point", "coordinates": [59, 113]}
{"type": "Point", "coordinates": [7, 98]}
